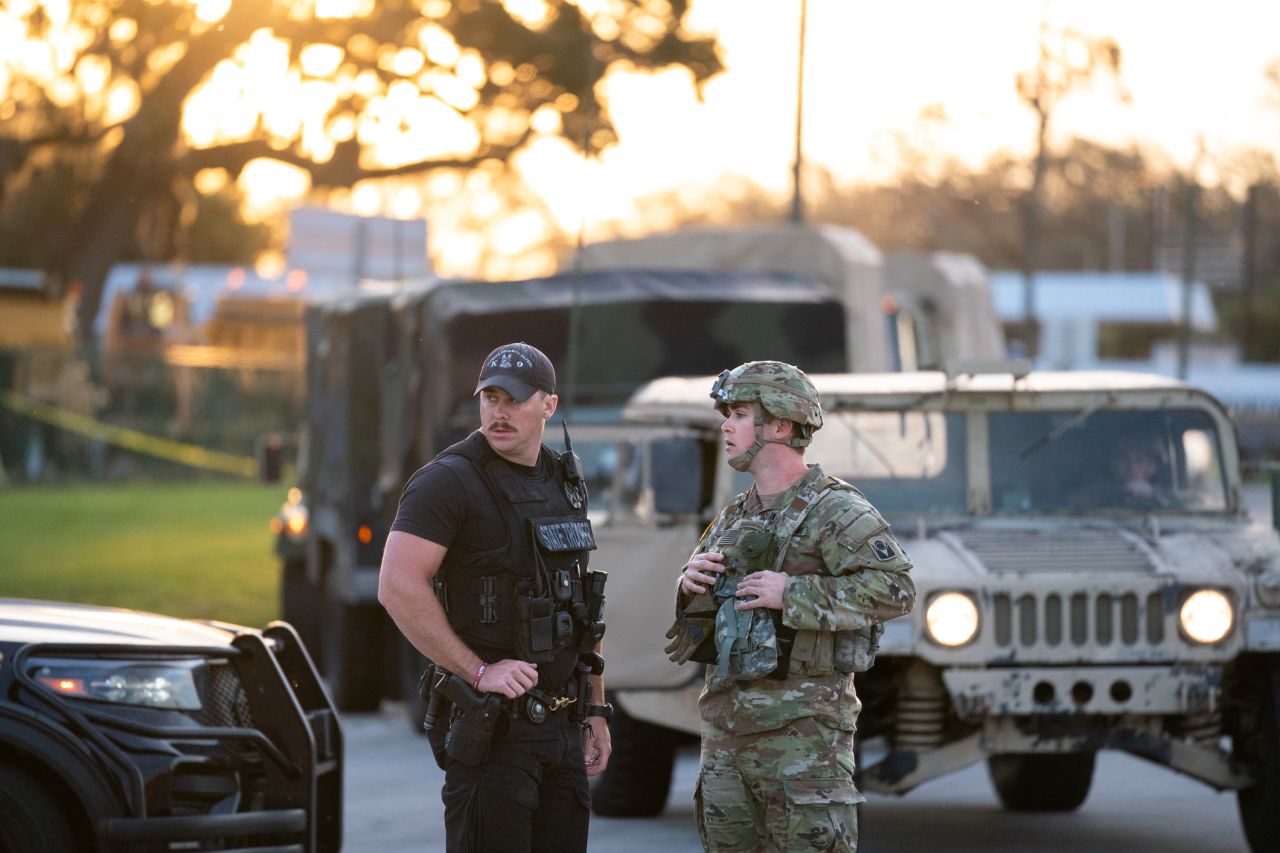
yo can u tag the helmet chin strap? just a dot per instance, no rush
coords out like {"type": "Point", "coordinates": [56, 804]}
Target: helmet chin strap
{"type": "Point", "coordinates": [742, 461]}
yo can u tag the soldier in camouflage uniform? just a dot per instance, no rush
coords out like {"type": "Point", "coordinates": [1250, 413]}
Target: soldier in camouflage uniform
{"type": "Point", "coordinates": [783, 598]}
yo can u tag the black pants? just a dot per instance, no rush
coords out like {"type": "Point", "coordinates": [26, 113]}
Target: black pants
{"type": "Point", "coordinates": [531, 795]}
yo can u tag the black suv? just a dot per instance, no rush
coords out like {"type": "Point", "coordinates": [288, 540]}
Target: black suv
{"type": "Point", "coordinates": [128, 731]}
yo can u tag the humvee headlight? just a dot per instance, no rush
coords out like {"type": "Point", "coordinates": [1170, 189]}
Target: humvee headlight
{"type": "Point", "coordinates": [952, 619]}
{"type": "Point", "coordinates": [1206, 616]}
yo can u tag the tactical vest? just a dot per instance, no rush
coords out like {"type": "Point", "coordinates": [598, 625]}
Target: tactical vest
{"type": "Point", "coordinates": [530, 598]}
{"type": "Point", "coordinates": [755, 646]}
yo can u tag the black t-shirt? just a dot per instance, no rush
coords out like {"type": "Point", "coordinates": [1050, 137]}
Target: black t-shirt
{"type": "Point", "coordinates": [459, 512]}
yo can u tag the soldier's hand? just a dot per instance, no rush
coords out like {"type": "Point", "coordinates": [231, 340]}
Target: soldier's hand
{"type": "Point", "coordinates": [761, 589]}
{"type": "Point", "coordinates": [687, 633]}
{"type": "Point", "coordinates": [511, 678]}
{"type": "Point", "coordinates": [699, 574]}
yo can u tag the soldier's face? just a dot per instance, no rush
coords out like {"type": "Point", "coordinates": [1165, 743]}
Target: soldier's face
{"type": "Point", "coordinates": [1136, 466]}
{"type": "Point", "coordinates": [739, 429]}
{"type": "Point", "coordinates": [514, 430]}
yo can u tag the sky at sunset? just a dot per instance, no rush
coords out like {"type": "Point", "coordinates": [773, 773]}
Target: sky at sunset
{"type": "Point", "coordinates": [1192, 70]}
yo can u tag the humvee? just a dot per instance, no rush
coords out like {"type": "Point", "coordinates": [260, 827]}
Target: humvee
{"type": "Point", "coordinates": [1058, 614]}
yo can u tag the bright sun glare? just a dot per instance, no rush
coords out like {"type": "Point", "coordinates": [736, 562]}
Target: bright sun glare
{"type": "Point", "coordinates": [872, 73]}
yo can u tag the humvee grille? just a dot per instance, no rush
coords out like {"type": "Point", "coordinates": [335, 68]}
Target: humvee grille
{"type": "Point", "coordinates": [1024, 619]}
{"type": "Point", "coordinates": [1103, 619]}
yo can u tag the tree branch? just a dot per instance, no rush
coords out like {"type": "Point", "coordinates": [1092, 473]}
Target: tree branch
{"type": "Point", "coordinates": [343, 170]}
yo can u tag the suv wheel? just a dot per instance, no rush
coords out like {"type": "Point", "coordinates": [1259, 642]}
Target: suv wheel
{"type": "Point", "coordinates": [637, 779]}
{"type": "Point", "coordinates": [30, 817]}
{"type": "Point", "coordinates": [1260, 803]}
{"type": "Point", "coordinates": [1042, 783]}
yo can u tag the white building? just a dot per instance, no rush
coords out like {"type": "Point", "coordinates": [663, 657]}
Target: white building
{"type": "Point", "coordinates": [1076, 308]}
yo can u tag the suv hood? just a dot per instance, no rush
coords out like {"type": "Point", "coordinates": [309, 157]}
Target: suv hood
{"type": "Point", "coordinates": [25, 621]}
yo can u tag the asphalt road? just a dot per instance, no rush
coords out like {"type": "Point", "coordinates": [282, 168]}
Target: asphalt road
{"type": "Point", "coordinates": [393, 803]}
{"type": "Point", "coordinates": [393, 806]}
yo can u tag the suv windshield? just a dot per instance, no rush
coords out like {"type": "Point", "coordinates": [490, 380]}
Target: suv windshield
{"type": "Point", "coordinates": [1088, 461]}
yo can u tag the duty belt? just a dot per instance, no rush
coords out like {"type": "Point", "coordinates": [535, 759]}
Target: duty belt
{"type": "Point", "coordinates": [537, 706]}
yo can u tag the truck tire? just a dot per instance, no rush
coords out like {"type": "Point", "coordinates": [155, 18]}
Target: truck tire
{"type": "Point", "coordinates": [352, 655]}
{"type": "Point", "coordinates": [301, 606]}
{"type": "Point", "coordinates": [637, 779]}
{"type": "Point", "coordinates": [1260, 803]}
{"type": "Point", "coordinates": [30, 817]}
{"type": "Point", "coordinates": [1042, 783]}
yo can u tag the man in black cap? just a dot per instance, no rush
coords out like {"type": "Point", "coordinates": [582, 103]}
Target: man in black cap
{"type": "Point", "coordinates": [496, 526]}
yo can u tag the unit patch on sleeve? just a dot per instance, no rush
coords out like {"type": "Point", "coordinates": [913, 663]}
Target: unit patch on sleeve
{"type": "Point", "coordinates": [883, 549]}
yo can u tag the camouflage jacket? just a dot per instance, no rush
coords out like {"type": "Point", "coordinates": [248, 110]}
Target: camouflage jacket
{"type": "Point", "coordinates": [847, 571]}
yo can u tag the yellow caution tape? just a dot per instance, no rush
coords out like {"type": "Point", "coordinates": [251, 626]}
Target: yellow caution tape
{"type": "Point", "coordinates": [131, 439]}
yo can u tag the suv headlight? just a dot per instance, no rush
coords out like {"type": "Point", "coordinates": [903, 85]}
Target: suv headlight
{"type": "Point", "coordinates": [1206, 616]}
{"type": "Point", "coordinates": [153, 684]}
{"type": "Point", "coordinates": [951, 619]}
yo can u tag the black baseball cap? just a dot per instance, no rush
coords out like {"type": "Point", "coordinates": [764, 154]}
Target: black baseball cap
{"type": "Point", "coordinates": [519, 369]}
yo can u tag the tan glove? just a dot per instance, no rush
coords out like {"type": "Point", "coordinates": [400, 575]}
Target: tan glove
{"type": "Point", "coordinates": [686, 634]}
{"type": "Point", "coordinates": [694, 625]}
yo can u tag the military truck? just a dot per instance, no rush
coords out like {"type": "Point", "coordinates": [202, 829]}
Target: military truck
{"type": "Point", "coordinates": [1059, 612]}
{"type": "Point", "coordinates": [903, 310]}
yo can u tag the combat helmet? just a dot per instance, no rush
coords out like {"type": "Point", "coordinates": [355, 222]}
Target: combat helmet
{"type": "Point", "coordinates": [776, 387]}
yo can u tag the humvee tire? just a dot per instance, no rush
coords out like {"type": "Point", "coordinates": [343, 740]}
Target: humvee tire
{"type": "Point", "coordinates": [1260, 803]}
{"type": "Point", "coordinates": [637, 779]}
{"type": "Point", "coordinates": [1042, 783]}
{"type": "Point", "coordinates": [354, 675]}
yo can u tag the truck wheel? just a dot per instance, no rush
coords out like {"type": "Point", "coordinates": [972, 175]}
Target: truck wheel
{"type": "Point", "coordinates": [637, 779]}
{"type": "Point", "coordinates": [412, 665]}
{"type": "Point", "coordinates": [1042, 783]}
{"type": "Point", "coordinates": [1260, 803]}
{"type": "Point", "coordinates": [300, 606]}
{"type": "Point", "coordinates": [352, 659]}
{"type": "Point", "coordinates": [30, 817]}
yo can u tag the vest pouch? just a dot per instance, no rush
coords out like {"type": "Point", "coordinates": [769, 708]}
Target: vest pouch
{"type": "Point", "coordinates": [563, 630]}
{"type": "Point", "coordinates": [562, 586]}
{"type": "Point", "coordinates": [535, 629]}
{"type": "Point", "coordinates": [855, 651]}
{"type": "Point", "coordinates": [786, 638]}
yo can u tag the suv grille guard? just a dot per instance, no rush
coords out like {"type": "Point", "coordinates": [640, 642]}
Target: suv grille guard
{"type": "Point", "coordinates": [301, 723]}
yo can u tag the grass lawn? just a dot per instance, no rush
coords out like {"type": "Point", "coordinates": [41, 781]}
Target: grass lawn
{"type": "Point", "coordinates": [201, 550]}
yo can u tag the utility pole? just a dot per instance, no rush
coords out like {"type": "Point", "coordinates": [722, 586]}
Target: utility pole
{"type": "Point", "coordinates": [797, 206]}
{"type": "Point", "coordinates": [1188, 266]}
{"type": "Point", "coordinates": [569, 392]}
{"type": "Point", "coordinates": [1249, 270]}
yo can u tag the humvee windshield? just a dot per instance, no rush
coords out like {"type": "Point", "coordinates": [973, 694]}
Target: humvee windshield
{"type": "Point", "coordinates": [1106, 461]}
{"type": "Point", "coordinates": [1040, 461]}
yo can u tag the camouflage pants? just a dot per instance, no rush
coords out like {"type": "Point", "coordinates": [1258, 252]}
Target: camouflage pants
{"type": "Point", "coordinates": [782, 790]}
